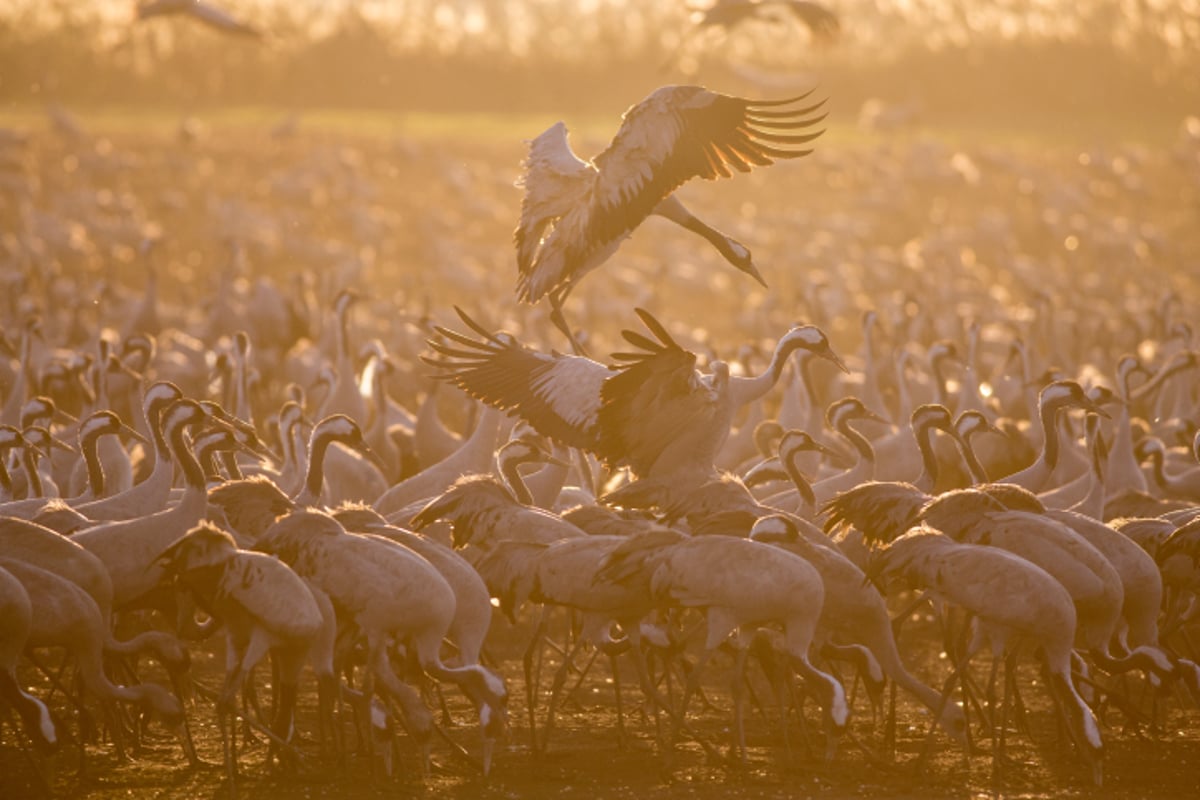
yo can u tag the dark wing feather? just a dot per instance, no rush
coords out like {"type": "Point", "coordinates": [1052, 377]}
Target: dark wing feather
{"type": "Point", "coordinates": [683, 132]}
{"type": "Point", "coordinates": [653, 400]}
{"type": "Point", "coordinates": [559, 395]}
{"type": "Point", "coordinates": [881, 510]}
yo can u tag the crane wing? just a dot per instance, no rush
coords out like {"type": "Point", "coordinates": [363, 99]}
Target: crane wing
{"type": "Point", "coordinates": [554, 181]}
{"type": "Point", "coordinates": [881, 510]}
{"type": "Point", "coordinates": [683, 132]}
{"type": "Point", "coordinates": [559, 395]}
{"type": "Point", "coordinates": [656, 399]}
{"type": "Point", "coordinates": [270, 591]}
{"type": "Point", "coordinates": [221, 20]}
{"type": "Point", "coordinates": [509, 570]}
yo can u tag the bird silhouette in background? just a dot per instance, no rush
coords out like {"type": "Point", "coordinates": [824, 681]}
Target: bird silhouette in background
{"type": "Point", "coordinates": [205, 13]}
{"type": "Point", "coordinates": [822, 25]}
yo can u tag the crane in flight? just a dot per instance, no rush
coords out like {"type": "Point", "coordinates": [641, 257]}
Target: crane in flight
{"type": "Point", "coordinates": [576, 213]}
{"type": "Point", "coordinates": [204, 13]}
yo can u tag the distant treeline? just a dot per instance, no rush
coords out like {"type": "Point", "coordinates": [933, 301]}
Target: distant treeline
{"type": "Point", "coordinates": [538, 56]}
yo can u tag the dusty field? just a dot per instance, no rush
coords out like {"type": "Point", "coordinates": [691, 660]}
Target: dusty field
{"type": "Point", "coordinates": [1007, 233]}
{"type": "Point", "coordinates": [586, 759]}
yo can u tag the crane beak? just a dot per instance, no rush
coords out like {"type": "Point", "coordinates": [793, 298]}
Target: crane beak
{"type": "Point", "coordinates": [61, 445]}
{"type": "Point", "coordinates": [370, 455]}
{"type": "Point", "coordinates": [256, 447]}
{"type": "Point", "coordinates": [817, 447]}
{"type": "Point", "coordinates": [871, 415]}
{"type": "Point", "coordinates": [836, 359]}
{"type": "Point", "coordinates": [132, 434]}
{"type": "Point", "coordinates": [1090, 405]}
{"type": "Point", "coordinates": [33, 448]}
{"type": "Point", "coordinates": [753, 272]}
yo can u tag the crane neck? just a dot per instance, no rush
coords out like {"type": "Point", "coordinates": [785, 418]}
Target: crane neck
{"type": "Point", "coordinates": [32, 476]}
{"type": "Point", "coordinates": [673, 209]}
{"type": "Point", "coordinates": [974, 465]}
{"type": "Point", "coordinates": [511, 472]}
{"type": "Point", "coordinates": [747, 390]}
{"type": "Point", "coordinates": [860, 443]}
{"type": "Point", "coordinates": [233, 470]}
{"type": "Point", "coordinates": [803, 486]}
{"type": "Point", "coordinates": [35, 717]}
{"type": "Point", "coordinates": [89, 446]}
{"type": "Point", "coordinates": [1048, 417]}
{"type": "Point", "coordinates": [929, 462]}
{"type": "Point", "coordinates": [241, 395]}
{"type": "Point", "coordinates": [1080, 720]}
{"type": "Point", "coordinates": [314, 477]}
{"type": "Point", "coordinates": [6, 486]}
{"type": "Point", "coordinates": [1158, 469]}
{"type": "Point", "coordinates": [154, 421]}
{"type": "Point", "coordinates": [806, 383]}
{"type": "Point", "coordinates": [193, 473]}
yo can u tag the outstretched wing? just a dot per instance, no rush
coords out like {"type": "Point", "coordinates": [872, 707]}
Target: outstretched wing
{"type": "Point", "coordinates": [676, 134]}
{"type": "Point", "coordinates": [555, 181]}
{"type": "Point", "coordinates": [656, 400]}
{"type": "Point", "coordinates": [559, 395]}
{"type": "Point", "coordinates": [683, 132]}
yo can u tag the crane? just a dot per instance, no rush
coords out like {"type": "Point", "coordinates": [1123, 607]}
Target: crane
{"type": "Point", "coordinates": [576, 213]}
{"type": "Point", "coordinates": [654, 412]}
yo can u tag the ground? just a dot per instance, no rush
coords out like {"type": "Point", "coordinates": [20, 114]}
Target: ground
{"type": "Point", "coordinates": [585, 758]}
{"type": "Point", "coordinates": [971, 227]}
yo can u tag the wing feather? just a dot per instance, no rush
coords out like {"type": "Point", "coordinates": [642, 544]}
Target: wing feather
{"type": "Point", "coordinates": [269, 589]}
{"type": "Point", "coordinates": [559, 395]}
{"type": "Point", "coordinates": [676, 134]}
{"type": "Point", "coordinates": [655, 400]}
{"type": "Point", "coordinates": [555, 180]}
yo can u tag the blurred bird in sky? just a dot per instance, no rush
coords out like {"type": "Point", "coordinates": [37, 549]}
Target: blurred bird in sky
{"type": "Point", "coordinates": [822, 24]}
{"type": "Point", "coordinates": [205, 13]}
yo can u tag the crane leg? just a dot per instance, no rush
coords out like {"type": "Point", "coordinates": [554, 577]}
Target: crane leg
{"type": "Point", "coordinates": [616, 674]}
{"type": "Point", "coordinates": [560, 321]}
{"type": "Point", "coordinates": [530, 683]}
{"type": "Point", "coordinates": [1000, 717]}
{"type": "Point", "coordinates": [739, 701]}
{"type": "Point", "coordinates": [579, 679]}
{"type": "Point", "coordinates": [679, 723]}
{"type": "Point", "coordinates": [560, 677]}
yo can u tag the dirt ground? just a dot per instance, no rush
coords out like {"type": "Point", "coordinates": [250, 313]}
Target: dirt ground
{"type": "Point", "coordinates": [587, 758]}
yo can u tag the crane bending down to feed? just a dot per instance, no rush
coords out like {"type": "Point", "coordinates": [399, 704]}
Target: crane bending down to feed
{"type": "Point", "coordinates": [1016, 605]}
{"type": "Point", "coordinates": [576, 213]}
{"type": "Point", "coordinates": [654, 412]}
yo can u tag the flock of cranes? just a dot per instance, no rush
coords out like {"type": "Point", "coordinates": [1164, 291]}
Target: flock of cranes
{"type": "Point", "coordinates": [788, 505]}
